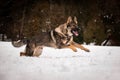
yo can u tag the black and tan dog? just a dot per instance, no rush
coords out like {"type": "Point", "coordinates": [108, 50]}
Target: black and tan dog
{"type": "Point", "coordinates": [67, 30]}
{"type": "Point", "coordinates": [60, 37]}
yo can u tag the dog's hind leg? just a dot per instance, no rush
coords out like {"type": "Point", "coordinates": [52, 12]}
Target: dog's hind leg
{"type": "Point", "coordinates": [37, 51]}
{"type": "Point", "coordinates": [80, 46]}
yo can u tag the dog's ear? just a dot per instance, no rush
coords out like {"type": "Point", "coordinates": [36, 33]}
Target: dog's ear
{"type": "Point", "coordinates": [75, 19]}
{"type": "Point", "coordinates": [69, 19]}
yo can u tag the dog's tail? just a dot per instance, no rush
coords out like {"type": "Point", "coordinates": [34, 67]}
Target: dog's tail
{"type": "Point", "coordinates": [19, 43]}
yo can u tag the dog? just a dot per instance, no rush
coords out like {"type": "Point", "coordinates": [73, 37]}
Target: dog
{"type": "Point", "coordinates": [67, 30]}
{"type": "Point", "coordinates": [60, 37]}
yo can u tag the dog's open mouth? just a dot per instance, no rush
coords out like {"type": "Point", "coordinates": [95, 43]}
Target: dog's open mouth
{"type": "Point", "coordinates": [75, 32]}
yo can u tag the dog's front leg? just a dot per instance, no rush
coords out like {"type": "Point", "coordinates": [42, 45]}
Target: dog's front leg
{"type": "Point", "coordinates": [80, 46]}
{"type": "Point", "coordinates": [72, 47]}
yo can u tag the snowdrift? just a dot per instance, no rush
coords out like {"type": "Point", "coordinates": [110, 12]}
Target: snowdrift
{"type": "Point", "coordinates": [102, 63]}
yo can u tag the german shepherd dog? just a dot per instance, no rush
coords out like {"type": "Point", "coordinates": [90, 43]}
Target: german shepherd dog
{"type": "Point", "coordinates": [60, 37]}
{"type": "Point", "coordinates": [66, 31]}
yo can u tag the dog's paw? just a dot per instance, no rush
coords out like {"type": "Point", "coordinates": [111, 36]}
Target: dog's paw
{"type": "Point", "coordinates": [75, 50]}
{"type": "Point", "coordinates": [22, 54]}
{"type": "Point", "coordinates": [87, 50]}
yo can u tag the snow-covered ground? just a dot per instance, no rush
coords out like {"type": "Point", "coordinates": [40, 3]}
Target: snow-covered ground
{"type": "Point", "coordinates": [102, 63]}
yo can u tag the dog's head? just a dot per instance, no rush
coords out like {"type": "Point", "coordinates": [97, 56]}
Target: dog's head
{"type": "Point", "coordinates": [73, 25]}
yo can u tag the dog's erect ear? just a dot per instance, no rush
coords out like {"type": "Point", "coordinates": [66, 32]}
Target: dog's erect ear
{"type": "Point", "coordinates": [75, 19]}
{"type": "Point", "coordinates": [69, 19]}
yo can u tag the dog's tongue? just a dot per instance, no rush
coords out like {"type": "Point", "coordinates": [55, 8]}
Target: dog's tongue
{"type": "Point", "coordinates": [75, 33]}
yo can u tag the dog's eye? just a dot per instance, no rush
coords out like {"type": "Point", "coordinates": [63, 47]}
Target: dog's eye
{"type": "Point", "coordinates": [68, 26]}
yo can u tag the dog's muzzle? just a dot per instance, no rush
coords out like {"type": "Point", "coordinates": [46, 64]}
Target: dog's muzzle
{"type": "Point", "coordinates": [75, 31]}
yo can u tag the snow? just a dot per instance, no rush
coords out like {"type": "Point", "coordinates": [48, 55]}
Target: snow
{"type": "Point", "coordinates": [102, 63]}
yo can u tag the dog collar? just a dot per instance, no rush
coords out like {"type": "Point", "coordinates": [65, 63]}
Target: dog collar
{"type": "Point", "coordinates": [52, 36]}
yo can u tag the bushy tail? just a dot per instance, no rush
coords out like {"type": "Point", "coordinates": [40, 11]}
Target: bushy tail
{"type": "Point", "coordinates": [18, 43]}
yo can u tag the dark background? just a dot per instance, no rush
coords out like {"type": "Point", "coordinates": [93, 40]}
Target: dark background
{"type": "Point", "coordinates": [97, 18]}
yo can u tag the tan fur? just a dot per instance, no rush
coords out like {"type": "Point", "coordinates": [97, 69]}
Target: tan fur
{"type": "Point", "coordinates": [75, 19]}
{"type": "Point", "coordinates": [71, 44]}
{"type": "Point", "coordinates": [62, 30]}
{"type": "Point", "coordinates": [22, 54]}
{"type": "Point", "coordinates": [80, 46]}
{"type": "Point", "coordinates": [37, 51]}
